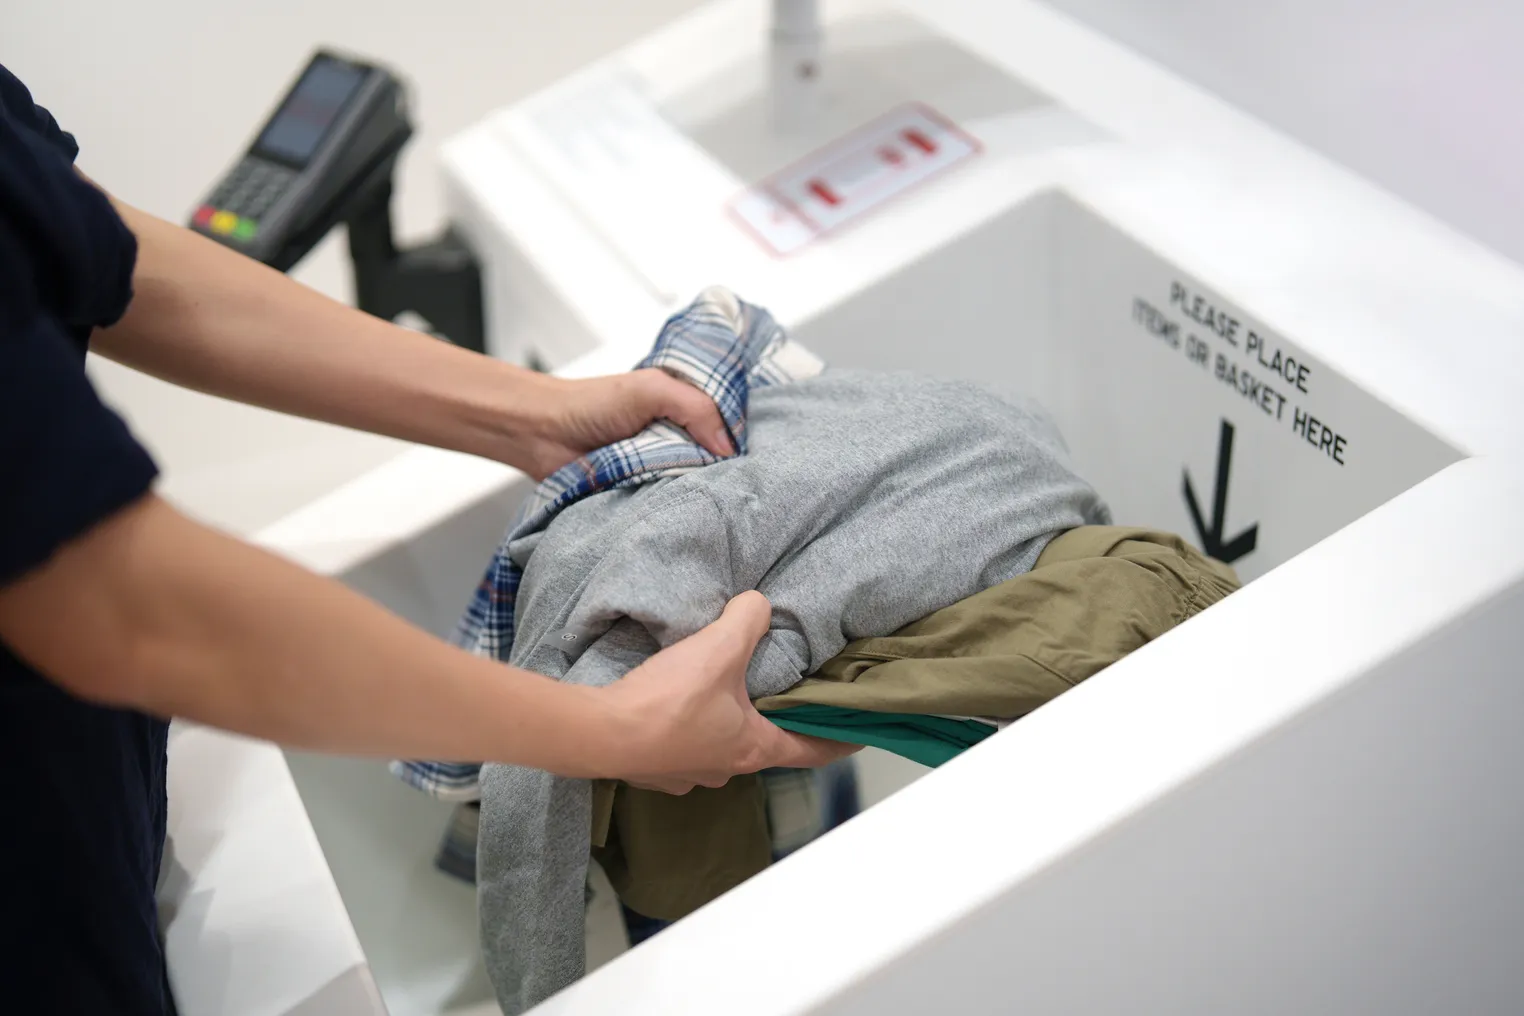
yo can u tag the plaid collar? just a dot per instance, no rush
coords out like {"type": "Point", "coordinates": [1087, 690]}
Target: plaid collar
{"type": "Point", "coordinates": [722, 346]}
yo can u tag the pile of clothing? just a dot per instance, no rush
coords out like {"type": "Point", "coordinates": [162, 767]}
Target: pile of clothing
{"type": "Point", "coordinates": [936, 570]}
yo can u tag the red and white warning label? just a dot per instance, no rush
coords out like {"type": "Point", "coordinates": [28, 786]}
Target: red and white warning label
{"type": "Point", "coordinates": [852, 176]}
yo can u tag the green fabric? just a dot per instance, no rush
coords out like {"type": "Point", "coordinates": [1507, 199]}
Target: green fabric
{"type": "Point", "coordinates": [929, 740]}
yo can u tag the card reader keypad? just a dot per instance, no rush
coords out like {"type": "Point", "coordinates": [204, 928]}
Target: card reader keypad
{"type": "Point", "coordinates": [244, 196]}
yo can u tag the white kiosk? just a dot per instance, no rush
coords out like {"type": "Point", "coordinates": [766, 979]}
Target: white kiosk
{"type": "Point", "coordinates": [1309, 798]}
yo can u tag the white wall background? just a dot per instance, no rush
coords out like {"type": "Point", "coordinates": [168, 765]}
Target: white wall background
{"type": "Point", "coordinates": [1420, 96]}
{"type": "Point", "coordinates": [164, 94]}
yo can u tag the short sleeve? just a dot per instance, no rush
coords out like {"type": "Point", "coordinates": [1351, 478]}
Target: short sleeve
{"type": "Point", "coordinates": [17, 101]}
{"type": "Point", "coordinates": [66, 460]}
{"type": "Point", "coordinates": [63, 248]}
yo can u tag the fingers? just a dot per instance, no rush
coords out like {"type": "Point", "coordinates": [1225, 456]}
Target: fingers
{"type": "Point", "coordinates": [797, 751]}
{"type": "Point", "coordinates": [677, 788]}
{"type": "Point", "coordinates": [680, 786]}
{"type": "Point", "coordinates": [691, 410]}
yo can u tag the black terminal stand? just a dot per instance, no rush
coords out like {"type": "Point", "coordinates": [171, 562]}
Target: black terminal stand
{"type": "Point", "coordinates": [439, 281]}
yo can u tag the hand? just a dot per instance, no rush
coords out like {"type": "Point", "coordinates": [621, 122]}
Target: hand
{"type": "Point", "coordinates": [686, 717]}
{"type": "Point", "coordinates": [576, 417]}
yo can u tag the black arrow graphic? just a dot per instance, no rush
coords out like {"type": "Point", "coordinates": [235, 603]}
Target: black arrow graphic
{"type": "Point", "coordinates": [1211, 537]}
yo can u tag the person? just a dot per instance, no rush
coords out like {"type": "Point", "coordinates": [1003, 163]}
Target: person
{"type": "Point", "coordinates": [117, 611]}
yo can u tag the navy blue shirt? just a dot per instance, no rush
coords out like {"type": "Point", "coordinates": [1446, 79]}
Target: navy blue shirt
{"type": "Point", "coordinates": [83, 802]}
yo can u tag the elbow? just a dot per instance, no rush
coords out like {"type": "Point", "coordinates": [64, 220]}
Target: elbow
{"type": "Point", "coordinates": [119, 675]}
{"type": "Point", "coordinates": [96, 620]}
{"type": "Point", "coordinates": [102, 656]}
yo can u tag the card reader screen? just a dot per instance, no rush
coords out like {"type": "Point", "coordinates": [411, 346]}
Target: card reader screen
{"type": "Point", "coordinates": [314, 104]}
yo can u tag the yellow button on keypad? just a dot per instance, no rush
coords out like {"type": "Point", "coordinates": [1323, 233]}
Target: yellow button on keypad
{"type": "Point", "coordinates": [223, 222]}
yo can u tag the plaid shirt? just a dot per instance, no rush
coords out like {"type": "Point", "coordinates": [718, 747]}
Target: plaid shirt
{"type": "Point", "coordinates": [721, 345]}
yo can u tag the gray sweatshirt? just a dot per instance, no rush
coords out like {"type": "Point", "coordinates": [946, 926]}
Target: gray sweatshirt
{"type": "Point", "coordinates": [866, 501]}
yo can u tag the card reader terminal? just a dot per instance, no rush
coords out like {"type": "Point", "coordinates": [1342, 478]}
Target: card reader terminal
{"type": "Point", "coordinates": [337, 130]}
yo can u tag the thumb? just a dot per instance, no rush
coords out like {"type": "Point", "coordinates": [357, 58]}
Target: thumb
{"type": "Point", "coordinates": [724, 648]}
{"type": "Point", "coordinates": [691, 410]}
{"type": "Point", "coordinates": [744, 621]}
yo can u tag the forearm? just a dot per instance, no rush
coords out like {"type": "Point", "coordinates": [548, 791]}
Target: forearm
{"type": "Point", "coordinates": [211, 319]}
{"type": "Point", "coordinates": [153, 611]}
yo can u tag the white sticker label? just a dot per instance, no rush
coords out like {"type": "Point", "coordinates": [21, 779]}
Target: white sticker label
{"type": "Point", "coordinates": [845, 180]}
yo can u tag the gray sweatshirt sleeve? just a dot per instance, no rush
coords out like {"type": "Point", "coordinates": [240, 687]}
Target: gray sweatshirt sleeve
{"type": "Point", "coordinates": [532, 859]}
